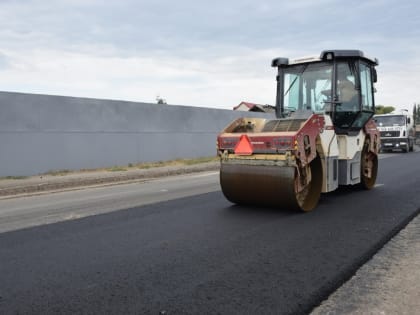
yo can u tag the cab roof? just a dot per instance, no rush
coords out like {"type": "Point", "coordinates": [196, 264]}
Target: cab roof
{"type": "Point", "coordinates": [325, 55]}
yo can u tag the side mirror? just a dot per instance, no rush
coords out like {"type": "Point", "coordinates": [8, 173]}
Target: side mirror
{"type": "Point", "coordinates": [408, 120]}
{"type": "Point", "coordinates": [374, 75]}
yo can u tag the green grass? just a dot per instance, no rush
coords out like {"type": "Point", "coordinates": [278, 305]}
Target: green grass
{"type": "Point", "coordinates": [201, 160]}
{"type": "Point", "coordinates": [116, 169]}
{"type": "Point", "coordinates": [58, 172]}
{"type": "Point", "coordinates": [178, 162]}
{"type": "Point", "coordinates": [13, 177]}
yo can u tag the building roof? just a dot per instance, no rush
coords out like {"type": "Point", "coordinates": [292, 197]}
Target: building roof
{"type": "Point", "coordinates": [252, 107]}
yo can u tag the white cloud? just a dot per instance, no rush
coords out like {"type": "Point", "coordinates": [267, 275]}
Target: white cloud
{"type": "Point", "coordinates": [221, 82]}
{"type": "Point", "coordinates": [197, 52]}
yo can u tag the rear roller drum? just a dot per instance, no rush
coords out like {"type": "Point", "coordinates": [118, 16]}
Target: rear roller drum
{"type": "Point", "coordinates": [308, 197]}
{"type": "Point", "coordinates": [369, 168]}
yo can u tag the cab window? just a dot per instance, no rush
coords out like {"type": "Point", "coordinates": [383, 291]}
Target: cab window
{"type": "Point", "coordinates": [366, 87]}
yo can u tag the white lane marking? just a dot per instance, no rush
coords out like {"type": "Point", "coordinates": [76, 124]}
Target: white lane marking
{"type": "Point", "coordinates": [177, 177]}
{"type": "Point", "coordinates": [71, 216]}
{"type": "Point", "coordinates": [379, 185]}
{"type": "Point", "coordinates": [163, 190]}
{"type": "Point", "coordinates": [205, 175]}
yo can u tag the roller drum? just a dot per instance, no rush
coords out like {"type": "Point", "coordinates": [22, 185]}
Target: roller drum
{"type": "Point", "coordinates": [273, 186]}
{"type": "Point", "coordinates": [259, 185]}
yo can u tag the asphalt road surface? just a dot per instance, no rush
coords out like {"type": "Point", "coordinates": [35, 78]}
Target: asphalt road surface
{"type": "Point", "coordinates": [194, 254]}
{"type": "Point", "coordinates": [49, 208]}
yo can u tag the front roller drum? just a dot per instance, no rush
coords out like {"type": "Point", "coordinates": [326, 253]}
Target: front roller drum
{"type": "Point", "coordinates": [274, 186]}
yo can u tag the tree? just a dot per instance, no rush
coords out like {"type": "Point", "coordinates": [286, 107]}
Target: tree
{"type": "Point", "coordinates": [160, 100]}
{"type": "Point", "coordinates": [381, 109]}
{"type": "Point", "coordinates": [416, 114]}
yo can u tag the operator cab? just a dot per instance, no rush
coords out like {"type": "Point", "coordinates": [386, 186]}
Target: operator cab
{"type": "Point", "coordinates": [338, 83]}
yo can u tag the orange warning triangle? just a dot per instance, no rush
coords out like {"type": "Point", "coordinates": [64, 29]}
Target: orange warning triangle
{"type": "Point", "coordinates": [244, 146]}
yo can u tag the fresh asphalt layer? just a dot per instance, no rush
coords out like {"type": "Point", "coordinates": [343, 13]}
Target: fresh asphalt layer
{"type": "Point", "coordinates": [201, 254]}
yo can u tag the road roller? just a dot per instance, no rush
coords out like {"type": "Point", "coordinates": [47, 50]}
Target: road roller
{"type": "Point", "coordinates": [322, 135]}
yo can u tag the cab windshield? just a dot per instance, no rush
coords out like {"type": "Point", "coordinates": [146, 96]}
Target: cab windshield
{"type": "Point", "coordinates": [307, 86]}
{"type": "Point", "coordinates": [389, 121]}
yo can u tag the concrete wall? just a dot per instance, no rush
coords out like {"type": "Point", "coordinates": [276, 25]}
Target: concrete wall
{"type": "Point", "coordinates": [40, 133]}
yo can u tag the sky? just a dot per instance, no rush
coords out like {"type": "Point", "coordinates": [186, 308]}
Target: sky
{"type": "Point", "coordinates": [198, 53]}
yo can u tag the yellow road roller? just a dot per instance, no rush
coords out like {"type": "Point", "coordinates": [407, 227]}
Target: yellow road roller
{"type": "Point", "coordinates": [322, 136]}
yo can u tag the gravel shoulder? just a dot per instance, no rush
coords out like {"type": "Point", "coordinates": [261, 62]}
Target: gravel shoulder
{"type": "Point", "coordinates": [11, 188]}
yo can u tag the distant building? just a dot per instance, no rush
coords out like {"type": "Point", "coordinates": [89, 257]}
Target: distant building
{"type": "Point", "coordinates": [252, 107]}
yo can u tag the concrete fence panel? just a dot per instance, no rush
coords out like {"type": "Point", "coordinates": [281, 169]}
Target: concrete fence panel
{"type": "Point", "coordinates": [41, 133]}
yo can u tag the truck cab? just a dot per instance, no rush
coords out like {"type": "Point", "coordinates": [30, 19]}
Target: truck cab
{"type": "Point", "coordinates": [397, 131]}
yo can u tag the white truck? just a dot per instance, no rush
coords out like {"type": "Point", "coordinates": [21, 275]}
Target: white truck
{"type": "Point", "coordinates": [397, 131]}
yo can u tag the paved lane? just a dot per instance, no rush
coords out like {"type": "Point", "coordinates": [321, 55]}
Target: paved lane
{"type": "Point", "coordinates": [389, 283]}
{"type": "Point", "coordinates": [200, 254]}
{"type": "Point", "coordinates": [18, 213]}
